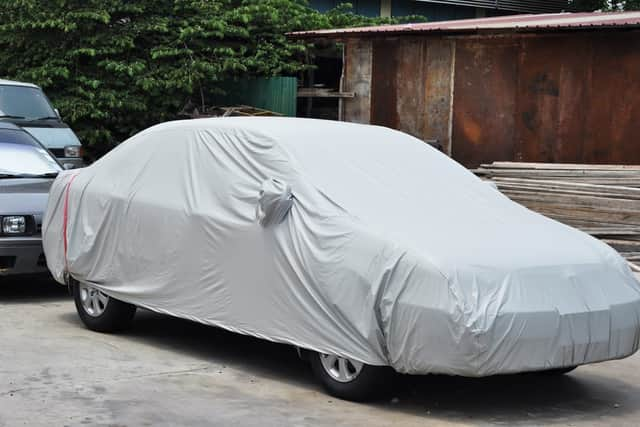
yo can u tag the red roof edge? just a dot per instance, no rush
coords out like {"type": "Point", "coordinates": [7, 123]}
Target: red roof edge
{"type": "Point", "coordinates": [513, 22]}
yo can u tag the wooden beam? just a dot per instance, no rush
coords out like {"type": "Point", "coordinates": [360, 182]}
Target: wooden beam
{"type": "Point", "coordinates": [323, 93]}
{"type": "Point", "coordinates": [602, 200]}
{"type": "Point", "coordinates": [357, 78]}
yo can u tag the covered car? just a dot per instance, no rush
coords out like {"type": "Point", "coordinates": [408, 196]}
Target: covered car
{"type": "Point", "coordinates": [360, 245]}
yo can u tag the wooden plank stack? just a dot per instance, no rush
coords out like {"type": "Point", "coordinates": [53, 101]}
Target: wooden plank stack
{"type": "Point", "coordinates": [602, 200]}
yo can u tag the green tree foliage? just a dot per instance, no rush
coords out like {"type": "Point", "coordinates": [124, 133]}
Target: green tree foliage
{"type": "Point", "coordinates": [631, 5]}
{"type": "Point", "coordinates": [604, 5]}
{"type": "Point", "coordinates": [114, 67]}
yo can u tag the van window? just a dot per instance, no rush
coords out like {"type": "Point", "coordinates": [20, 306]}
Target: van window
{"type": "Point", "coordinates": [24, 102]}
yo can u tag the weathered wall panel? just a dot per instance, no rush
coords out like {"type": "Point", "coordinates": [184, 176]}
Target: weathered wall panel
{"type": "Point", "coordinates": [613, 119]}
{"type": "Point", "coordinates": [574, 83]}
{"type": "Point", "coordinates": [484, 100]}
{"type": "Point", "coordinates": [411, 87]}
{"type": "Point", "coordinates": [438, 91]}
{"type": "Point", "coordinates": [383, 83]}
{"type": "Point", "coordinates": [548, 98]}
{"type": "Point", "coordinates": [553, 98]}
{"type": "Point", "coordinates": [572, 97]}
{"type": "Point", "coordinates": [357, 79]}
{"type": "Point", "coordinates": [410, 93]}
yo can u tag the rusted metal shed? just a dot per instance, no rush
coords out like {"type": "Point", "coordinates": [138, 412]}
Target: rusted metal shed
{"type": "Point", "coordinates": [544, 88]}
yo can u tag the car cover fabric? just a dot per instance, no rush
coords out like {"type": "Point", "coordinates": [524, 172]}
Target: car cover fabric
{"type": "Point", "coordinates": [376, 247]}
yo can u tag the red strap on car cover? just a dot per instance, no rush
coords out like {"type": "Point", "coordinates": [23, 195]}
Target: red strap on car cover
{"type": "Point", "coordinates": [65, 216]}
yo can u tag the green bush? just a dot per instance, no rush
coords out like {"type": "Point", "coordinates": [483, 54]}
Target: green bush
{"type": "Point", "coordinates": [114, 67]}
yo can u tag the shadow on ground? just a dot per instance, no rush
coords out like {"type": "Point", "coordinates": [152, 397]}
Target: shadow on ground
{"type": "Point", "coordinates": [516, 399]}
{"type": "Point", "coordinates": [31, 289]}
{"type": "Point", "coordinates": [513, 399]}
{"type": "Point", "coordinates": [584, 395]}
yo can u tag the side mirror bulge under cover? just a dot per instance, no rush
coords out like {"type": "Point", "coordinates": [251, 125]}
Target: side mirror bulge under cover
{"type": "Point", "coordinates": [274, 202]}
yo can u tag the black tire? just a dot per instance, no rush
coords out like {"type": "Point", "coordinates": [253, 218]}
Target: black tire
{"type": "Point", "coordinates": [371, 382]}
{"type": "Point", "coordinates": [557, 371]}
{"type": "Point", "coordinates": [116, 315]}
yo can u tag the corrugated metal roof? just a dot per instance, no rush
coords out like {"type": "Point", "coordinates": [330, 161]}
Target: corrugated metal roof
{"type": "Point", "coordinates": [527, 6]}
{"type": "Point", "coordinates": [533, 23]}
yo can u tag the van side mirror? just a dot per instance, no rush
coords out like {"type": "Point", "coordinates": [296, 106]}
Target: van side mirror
{"type": "Point", "coordinates": [57, 113]}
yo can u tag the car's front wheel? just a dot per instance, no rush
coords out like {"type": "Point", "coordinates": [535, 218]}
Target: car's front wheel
{"type": "Point", "coordinates": [100, 312]}
{"type": "Point", "coordinates": [349, 379]}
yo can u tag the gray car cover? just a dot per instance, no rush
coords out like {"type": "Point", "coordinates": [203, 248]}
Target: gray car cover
{"type": "Point", "coordinates": [353, 240]}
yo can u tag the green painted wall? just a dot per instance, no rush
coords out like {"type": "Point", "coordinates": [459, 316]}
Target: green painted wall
{"type": "Point", "coordinates": [274, 93]}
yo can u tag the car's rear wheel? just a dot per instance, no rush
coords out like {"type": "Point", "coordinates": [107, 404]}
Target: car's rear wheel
{"type": "Point", "coordinates": [349, 379]}
{"type": "Point", "coordinates": [100, 312]}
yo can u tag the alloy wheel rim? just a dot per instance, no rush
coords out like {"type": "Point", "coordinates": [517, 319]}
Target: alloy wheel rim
{"type": "Point", "coordinates": [340, 369]}
{"type": "Point", "coordinates": [94, 302]}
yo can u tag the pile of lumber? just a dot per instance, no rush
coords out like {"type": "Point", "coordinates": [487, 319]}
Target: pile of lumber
{"type": "Point", "coordinates": [192, 112]}
{"type": "Point", "coordinates": [602, 200]}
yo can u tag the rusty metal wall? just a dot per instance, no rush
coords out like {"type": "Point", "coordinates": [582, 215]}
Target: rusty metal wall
{"type": "Point", "coordinates": [484, 100]}
{"type": "Point", "coordinates": [410, 93]}
{"type": "Point", "coordinates": [552, 100]}
{"type": "Point", "coordinates": [357, 79]}
{"type": "Point", "coordinates": [613, 118]}
{"type": "Point", "coordinates": [549, 98]}
{"type": "Point", "coordinates": [411, 86]}
{"type": "Point", "coordinates": [439, 90]}
{"type": "Point", "coordinates": [569, 97]}
{"type": "Point", "coordinates": [384, 76]}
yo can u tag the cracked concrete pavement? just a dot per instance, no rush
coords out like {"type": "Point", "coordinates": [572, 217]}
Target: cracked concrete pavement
{"type": "Point", "coordinates": [172, 372]}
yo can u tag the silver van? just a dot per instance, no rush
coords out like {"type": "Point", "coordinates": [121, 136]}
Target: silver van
{"type": "Point", "coordinates": [26, 105]}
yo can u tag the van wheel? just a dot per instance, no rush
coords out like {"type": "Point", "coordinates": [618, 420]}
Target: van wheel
{"type": "Point", "coordinates": [100, 312]}
{"type": "Point", "coordinates": [348, 379]}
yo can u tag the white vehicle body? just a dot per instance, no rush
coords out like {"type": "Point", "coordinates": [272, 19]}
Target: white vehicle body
{"type": "Point", "coordinates": [26, 105]}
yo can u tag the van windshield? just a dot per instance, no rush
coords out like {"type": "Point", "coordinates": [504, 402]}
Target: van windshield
{"type": "Point", "coordinates": [22, 102]}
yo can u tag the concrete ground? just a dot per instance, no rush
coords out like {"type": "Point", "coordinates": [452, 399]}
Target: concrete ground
{"type": "Point", "coordinates": [173, 372]}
